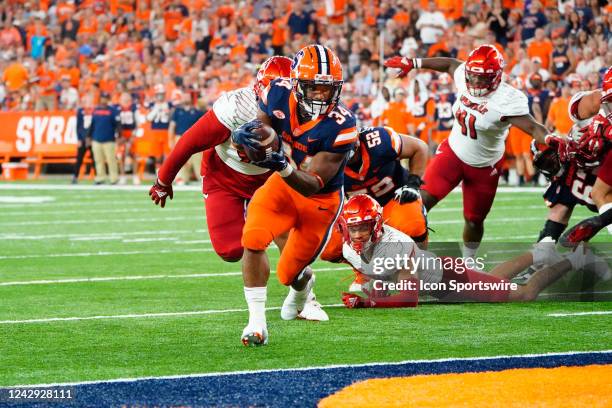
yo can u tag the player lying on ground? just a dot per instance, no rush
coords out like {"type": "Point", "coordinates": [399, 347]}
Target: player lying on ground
{"type": "Point", "coordinates": [304, 195]}
{"type": "Point", "coordinates": [374, 168]}
{"type": "Point", "coordinates": [484, 110]}
{"type": "Point", "coordinates": [369, 244]}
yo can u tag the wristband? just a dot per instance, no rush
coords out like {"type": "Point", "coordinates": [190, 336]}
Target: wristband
{"type": "Point", "coordinates": [286, 171]}
{"type": "Point", "coordinates": [417, 62]}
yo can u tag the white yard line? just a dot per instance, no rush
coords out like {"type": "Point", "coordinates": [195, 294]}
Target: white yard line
{"type": "Point", "coordinates": [90, 187]}
{"type": "Point", "coordinates": [96, 236]}
{"type": "Point", "coordinates": [325, 367]}
{"type": "Point", "coordinates": [602, 312]}
{"type": "Point", "coordinates": [94, 221]}
{"type": "Point", "coordinates": [142, 277]}
{"type": "Point", "coordinates": [107, 253]}
{"type": "Point", "coordinates": [102, 211]}
{"type": "Point", "coordinates": [139, 316]}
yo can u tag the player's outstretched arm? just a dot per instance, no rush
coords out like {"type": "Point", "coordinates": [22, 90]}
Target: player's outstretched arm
{"type": "Point", "coordinates": [323, 167]}
{"type": "Point", "coordinates": [440, 64]}
{"type": "Point", "coordinates": [206, 133]}
{"type": "Point", "coordinates": [528, 124]}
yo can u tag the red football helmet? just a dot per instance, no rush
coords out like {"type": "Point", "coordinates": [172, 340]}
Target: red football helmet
{"type": "Point", "coordinates": [483, 70]}
{"type": "Point", "coordinates": [271, 69]}
{"type": "Point", "coordinates": [606, 92]}
{"type": "Point", "coordinates": [316, 77]}
{"type": "Point", "coordinates": [361, 209]}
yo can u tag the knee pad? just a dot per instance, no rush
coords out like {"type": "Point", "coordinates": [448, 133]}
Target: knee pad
{"type": "Point", "coordinates": [256, 239]}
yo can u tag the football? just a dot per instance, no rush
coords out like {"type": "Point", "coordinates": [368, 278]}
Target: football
{"type": "Point", "coordinates": [268, 142]}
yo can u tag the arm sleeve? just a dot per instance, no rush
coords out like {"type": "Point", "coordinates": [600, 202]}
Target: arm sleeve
{"type": "Point", "coordinates": [206, 133]}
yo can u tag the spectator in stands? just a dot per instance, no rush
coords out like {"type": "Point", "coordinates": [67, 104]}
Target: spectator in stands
{"type": "Point", "coordinates": [69, 96]}
{"type": "Point", "coordinates": [558, 120]}
{"type": "Point", "coordinates": [534, 18]}
{"type": "Point", "coordinates": [497, 22]}
{"type": "Point", "coordinates": [300, 21]}
{"type": "Point", "coordinates": [563, 60]}
{"type": "Point", "coordinates": [431, 25]}
{"type": "Point", "coordinates": [104, 129]}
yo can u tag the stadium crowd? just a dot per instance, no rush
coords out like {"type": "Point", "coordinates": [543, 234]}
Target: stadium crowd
{"type": "Point", "coordinates": [55, 54]}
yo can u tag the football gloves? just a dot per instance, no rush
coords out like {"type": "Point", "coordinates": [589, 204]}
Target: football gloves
{"type": "Point", "coordinates": [353, 301]}
{"type": "Point", "coordinates": [404, 64]}
{"type": "Point", "coordinates": [276, 162]}
{"type": "Point", "coordinates": [159, 193]}
{"type": "Point", "coordinates": [410, 191]}
{"type": "Point", "coordinates": [244, 134]}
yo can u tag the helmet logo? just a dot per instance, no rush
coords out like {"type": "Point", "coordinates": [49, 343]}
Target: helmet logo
{"type": "Point", "coordinates": [278, 113]}
{"type": "Point", "coordinates": [296, 60]}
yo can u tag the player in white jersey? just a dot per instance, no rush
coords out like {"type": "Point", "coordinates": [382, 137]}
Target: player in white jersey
{"type": "Point", "coordinates": [484, 110]}
{"type": "Point", "coordinates": [388, 256]}
{"type": "Point", "coordinates": [229, 180]}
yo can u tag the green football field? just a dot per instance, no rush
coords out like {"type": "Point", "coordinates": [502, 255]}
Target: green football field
{"type": "Point", "coordinates": [101, 284]}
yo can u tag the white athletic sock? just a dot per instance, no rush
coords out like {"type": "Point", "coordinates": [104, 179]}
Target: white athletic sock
{"type": "Point", "coordinates": [577, 257]}
{"type": "Point", "coordinates": [256, 300]}
{"type": "Point", "coordinates": [469, 252]}
{"type": "Point", "coordinates": [602, 210]}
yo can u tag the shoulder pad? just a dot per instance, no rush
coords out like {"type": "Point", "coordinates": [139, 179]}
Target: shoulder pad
{"type": "Point", "coordinates": [235, 108]}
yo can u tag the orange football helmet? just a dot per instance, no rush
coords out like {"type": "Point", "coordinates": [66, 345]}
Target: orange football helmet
{"type": "Point", "coordinates": [361, 209]}
{"type": "Point", "coordinates": [316, 76]}
{"type": "Point", "coordinates": [483, 70]}
{"type": "Point", "coordinates": [272, 68]}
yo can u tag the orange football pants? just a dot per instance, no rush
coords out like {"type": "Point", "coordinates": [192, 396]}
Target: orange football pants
{"type": "Point", "coordinates": [408, 218]}
{"type": "Point", "coordinates": [277, 208]}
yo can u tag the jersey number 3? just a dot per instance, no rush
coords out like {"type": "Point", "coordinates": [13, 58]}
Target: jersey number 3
{"type": "Point", "coordinates": [470, 126]}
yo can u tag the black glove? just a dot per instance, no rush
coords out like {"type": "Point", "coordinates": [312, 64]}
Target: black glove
{"type": "Point", "coordinates": [409, 192]}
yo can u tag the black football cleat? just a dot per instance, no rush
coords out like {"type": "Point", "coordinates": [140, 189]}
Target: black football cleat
{"type": "Point", "coordinates": [581, 232]}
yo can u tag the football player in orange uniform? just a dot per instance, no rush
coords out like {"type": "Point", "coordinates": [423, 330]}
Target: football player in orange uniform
{"type": "Point", "coordinates": [304, 195]}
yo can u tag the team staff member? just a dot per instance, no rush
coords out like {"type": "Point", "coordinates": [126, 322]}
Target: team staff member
{"type": "Point", "coordinates": [183, 117]}
{"type": "Point", "coordinates": [105, 127]}
{"type": "Point", "coordinates": [83, 117]}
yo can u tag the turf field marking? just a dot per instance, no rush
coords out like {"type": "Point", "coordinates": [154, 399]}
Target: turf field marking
{"type": "Point", "coordinates": [141, 277]}
{"type": "Point", "coordinates": [91, 187]}
{"type": "Point", "coordinates": [36, 211]}
{"type": "Point", "coordinates": [142, 315]}
{"type": "Point", "coordinates": [312, 368]}
{"type": "Point", "coordinates": [26, 199]}
{"type": "Point", "coordinates": [94, 221]}
{"type": "Point", "coordinates": [108, 253]}
{"type": "Point", "coordinates": [94, 237]}
{"type": "Point", "coordinates": [602, 312]}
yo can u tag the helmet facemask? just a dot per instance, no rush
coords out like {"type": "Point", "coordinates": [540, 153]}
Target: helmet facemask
{"type": "Point", "coordinates": [317, 97]}
{"type": "Point", "coordinates": [480, 84]}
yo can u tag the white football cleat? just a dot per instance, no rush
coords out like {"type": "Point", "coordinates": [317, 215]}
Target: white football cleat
{"type": "Point", "coordinates": [313, 311]}
{"type": "Point", "coordinates": [255, 335]}
{"type": "Point", "coordinates": [295, 301]}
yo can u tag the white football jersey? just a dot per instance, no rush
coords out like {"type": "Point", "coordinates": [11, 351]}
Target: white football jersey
{"type": "Point", "coordinates": [234, 109]}
{"type": "Point", "coordinates": [478, 135]}
{"type": "Point", "coordinates": [393, 244]}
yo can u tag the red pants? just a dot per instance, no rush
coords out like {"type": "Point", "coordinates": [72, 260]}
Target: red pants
{"type": "Point", "coordinates": [445, 171]}
{"type": "Point", "coordinates": [225, 218]}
